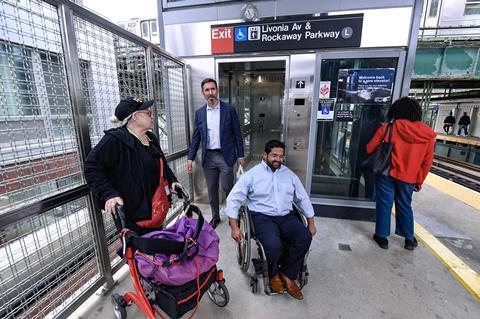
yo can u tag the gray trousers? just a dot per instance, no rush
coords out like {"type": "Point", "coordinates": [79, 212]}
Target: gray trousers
{"type": "Point", "coordinates": [215, 169]}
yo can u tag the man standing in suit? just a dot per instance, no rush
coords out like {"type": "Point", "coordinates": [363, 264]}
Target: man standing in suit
{"type": "Point", "coordinates": [218, 129]}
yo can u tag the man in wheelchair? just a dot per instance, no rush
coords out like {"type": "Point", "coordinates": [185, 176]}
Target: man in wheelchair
{"type": "Point", "coordinates": [270, 189]}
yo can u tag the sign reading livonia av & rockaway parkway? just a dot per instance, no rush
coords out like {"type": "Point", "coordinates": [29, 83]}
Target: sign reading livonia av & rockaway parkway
{"type": "Point", "coordinates": [293, 34]}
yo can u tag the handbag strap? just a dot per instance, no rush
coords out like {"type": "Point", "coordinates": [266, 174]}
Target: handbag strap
{"type": "Point", "coordinates": [388, 131]}
{"type": "Point", "coordinates": [160, 161]}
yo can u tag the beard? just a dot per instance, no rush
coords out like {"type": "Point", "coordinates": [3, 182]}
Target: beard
{"type": "Point", "coordinates": [211, 100]}
{"type": "Point", "coordinates": [274, 165]}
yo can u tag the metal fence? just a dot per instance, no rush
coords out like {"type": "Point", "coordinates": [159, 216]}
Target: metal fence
{"type": "Point", "coordinates": [467, 154]}
{"type": "Point", "coordinates": [62, 72]}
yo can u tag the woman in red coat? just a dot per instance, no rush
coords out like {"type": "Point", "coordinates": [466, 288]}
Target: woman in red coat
{"type": "Point", "coordinates": [411, 159]}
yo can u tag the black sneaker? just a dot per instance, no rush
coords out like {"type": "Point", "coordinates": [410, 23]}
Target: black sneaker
{"type": "Point", "coordinates": [411, 244]}
{"type": "Point", "coordinates": [382, 242]}
{"type": "Point", "coordinates": [214, 222]}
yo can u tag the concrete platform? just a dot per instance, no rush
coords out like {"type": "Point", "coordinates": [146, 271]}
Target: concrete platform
{"type": "Point", "coordinates": [366, 282]}
{"type": "Point", "coordinates": [470, 140]}
{"type": "Point", "coordinates": [453, 222]}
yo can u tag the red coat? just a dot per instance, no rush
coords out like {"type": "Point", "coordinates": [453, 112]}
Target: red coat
{"type": "Point", "coordinates": [412, 153]}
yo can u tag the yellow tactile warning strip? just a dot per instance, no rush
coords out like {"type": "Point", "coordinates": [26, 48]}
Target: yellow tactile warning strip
{"type": "Point", "coordinates": [466, 195]}
{"type": "Point", "coordinates": [464, 274]}
{"type": "Point", "coordinates": [461, 271]}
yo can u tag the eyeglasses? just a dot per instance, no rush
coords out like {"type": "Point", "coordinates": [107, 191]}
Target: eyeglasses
{"type": "Point", "coordinates": [148, 112]}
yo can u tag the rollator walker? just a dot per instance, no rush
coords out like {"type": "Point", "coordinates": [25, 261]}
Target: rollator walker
{"type": "Point", "coordinates": [150, 296]}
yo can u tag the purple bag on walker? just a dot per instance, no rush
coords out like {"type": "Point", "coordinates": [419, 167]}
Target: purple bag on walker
{"type": "Point", "coordinates": [191, 267]}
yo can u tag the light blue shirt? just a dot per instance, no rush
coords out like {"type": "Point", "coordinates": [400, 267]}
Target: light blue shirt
{"type": "Point", "coordinates": [270, 193]}
{"type": "Point", "coordinates": [213, 127]}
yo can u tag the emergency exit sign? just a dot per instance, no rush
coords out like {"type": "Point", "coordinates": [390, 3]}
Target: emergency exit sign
{"type": "Point", "coordinates": [289, 34]}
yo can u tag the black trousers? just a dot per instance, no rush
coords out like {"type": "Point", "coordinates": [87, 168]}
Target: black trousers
{"type": "Point", "coordinates": [285, 240]}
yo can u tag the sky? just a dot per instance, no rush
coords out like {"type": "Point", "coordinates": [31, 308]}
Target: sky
{"type": "Point", "coordinates": [118, 10]}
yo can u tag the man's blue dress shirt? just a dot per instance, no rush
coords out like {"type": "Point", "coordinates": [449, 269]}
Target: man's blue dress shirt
{"type": "Point", "coordinates": [267, 192]}
{"type": "Point", "coordinates": [213, 127]}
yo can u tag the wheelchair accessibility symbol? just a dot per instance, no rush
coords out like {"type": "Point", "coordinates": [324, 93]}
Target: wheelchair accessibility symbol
{"type": "Point", "coordinates": [325, 110]}
{"type": "Point", "coordinates": [241, 34]}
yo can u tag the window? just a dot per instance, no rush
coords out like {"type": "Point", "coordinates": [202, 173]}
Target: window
{"type": "Point", "coordinates": [144, 28]}
{"type": "Point", "coordinates": [433, 8]}
{"type": "Point", "coordinates": [153, 26]}
{"type": "Point", "coordinates": [62, 128]}
{"type": "Point", "coordinates": [34, 98]}
{"type": "Point", "coordinates": [472, 7]}
{"type": "Point", "coordinates": [18, 92]}
{"type": "Point", "coordinates": [55, 84]}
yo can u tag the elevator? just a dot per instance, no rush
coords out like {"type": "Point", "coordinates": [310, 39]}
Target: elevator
{"type": "Point", "coordinates": [318, 76]}
{"type": "Point", "coordinates": [257, 90]}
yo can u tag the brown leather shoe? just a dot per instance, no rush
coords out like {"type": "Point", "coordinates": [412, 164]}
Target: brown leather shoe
{"type": "Point", "coordinates": [292, 288]}
{"type": "Point", "coordinates": [276, 284]}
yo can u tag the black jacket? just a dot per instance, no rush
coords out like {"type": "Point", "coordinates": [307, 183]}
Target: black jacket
{"type": "Point", "coordinates": [449, 120]}
{"type": "Point", "coordinates": [464, 120]}
{"type": "Point", "coordinates": [120, 166]}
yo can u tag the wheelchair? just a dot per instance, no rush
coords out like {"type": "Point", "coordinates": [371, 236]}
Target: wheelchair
{"type": "Point", "coordinates": [260, 265]}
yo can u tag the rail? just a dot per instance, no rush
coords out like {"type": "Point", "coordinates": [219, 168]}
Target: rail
{"type": "Point", "coordinates": [461, 173]}
{"type": "Point", "coordinates": [460, 154]}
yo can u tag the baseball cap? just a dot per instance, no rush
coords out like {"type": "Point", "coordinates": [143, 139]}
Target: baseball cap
{"type": "Point", "coordinates": [129, 105]}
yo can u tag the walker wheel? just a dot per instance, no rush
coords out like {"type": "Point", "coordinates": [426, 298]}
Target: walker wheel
{"type": "Point", "coordinates": [119, 305]}
{"type": "Point", "coordinates": [218, 293]}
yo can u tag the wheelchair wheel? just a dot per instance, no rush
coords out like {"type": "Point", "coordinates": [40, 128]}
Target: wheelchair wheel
{"type": "Point", "coordinates": [243, 248]}
{"type": "Point", "coordinates": [218, 293]}
{"type": "Point", "coordinates": [119, 306]}
{"type": "Point", "coordinates": [254, 285]}
{"type": "Point", "coordinates": [303, 279]}
{"type": "Point", "coordinates": [303, 276]}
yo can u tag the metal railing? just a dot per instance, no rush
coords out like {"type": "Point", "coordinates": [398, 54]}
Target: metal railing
{"type": "Point", "coordinates": [63, 70]}
{"type": "Point", "coordinates": [441, 33]}
{"type": "Point", "coordinates": [458, 153]}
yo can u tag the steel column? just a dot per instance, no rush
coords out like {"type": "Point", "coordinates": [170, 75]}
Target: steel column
{"type": "Point", "coordinates": [150, 70]}
{"type": "Point", "coordinates": [166, 99]}
{"type": "Point", "coordinates": [412, 46]}
{"type": "Point", "coordinates": [80, 121]}
{"type": "Point", "coordinates": [187, 121]}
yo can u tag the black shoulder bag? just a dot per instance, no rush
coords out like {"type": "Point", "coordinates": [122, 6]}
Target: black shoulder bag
{"type": "Point", "coordinates": [379, 161]}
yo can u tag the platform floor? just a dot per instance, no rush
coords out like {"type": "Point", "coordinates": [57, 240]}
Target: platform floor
{"type": "Point", "coordinates": [366, 282]}
{"type": "Point", "coordinates": [470, 140]}
{"type": "Point", "coordinates": [454, 223]}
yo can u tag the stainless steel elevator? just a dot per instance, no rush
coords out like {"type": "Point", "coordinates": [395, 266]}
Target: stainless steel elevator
{"type": "Point", "coordinates": [256, 89]}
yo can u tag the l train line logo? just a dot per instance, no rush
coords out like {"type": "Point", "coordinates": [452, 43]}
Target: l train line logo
{"type": "Point", "coordinates": [222, 40]}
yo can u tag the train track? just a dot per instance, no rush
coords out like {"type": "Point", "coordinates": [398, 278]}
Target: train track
{"type": "Point", "coordinates": [461, 173]}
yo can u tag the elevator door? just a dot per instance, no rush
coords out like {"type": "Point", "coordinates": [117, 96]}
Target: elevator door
{"type": "Point", "coordinates": [266, 112]}
{"type": "Point", "coordinates": [256, 89]}
{"type": "Point", "coordinates": [363, 89]}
